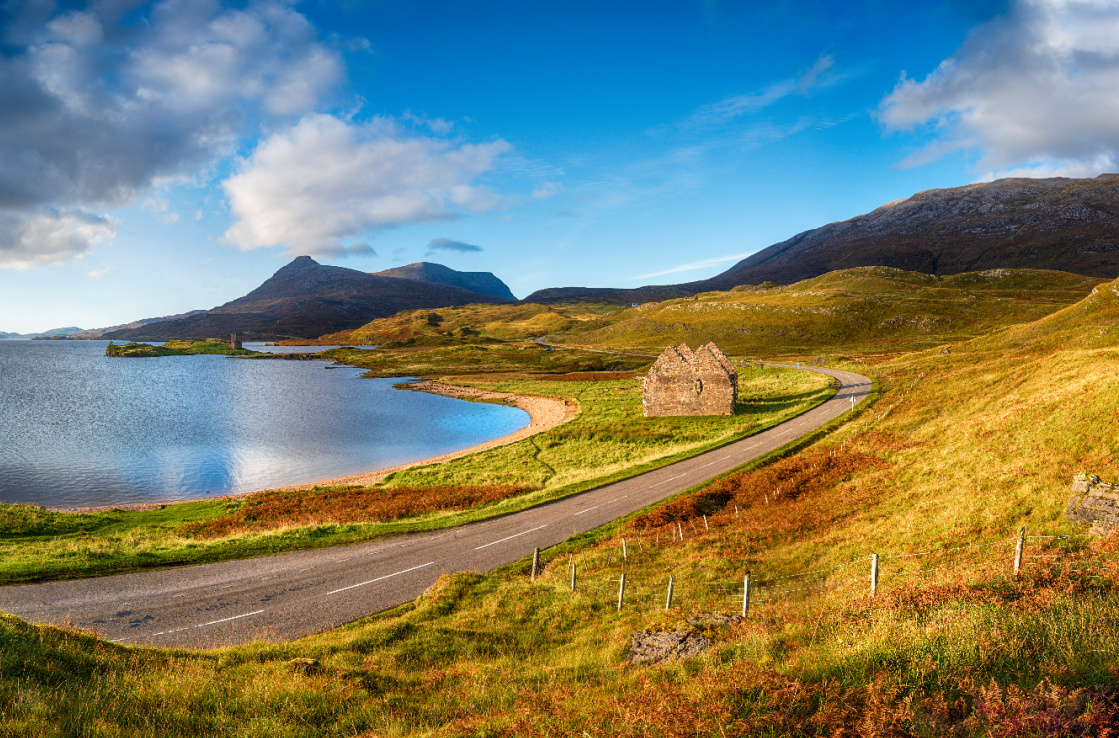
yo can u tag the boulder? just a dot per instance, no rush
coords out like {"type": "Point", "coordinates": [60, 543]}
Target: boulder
{"type": "Point", "coordinates": [1095, 503]}
{"type": "Point", "coordinates": [658, 646]}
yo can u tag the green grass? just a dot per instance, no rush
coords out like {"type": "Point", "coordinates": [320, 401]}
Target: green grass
{"type": "Point", "coordinates": [174, 348]}
{"type": "Point", "coordinates": [959, 449]}
{"type": "Point", "coordinates": [608, 441]}
{"type": "Point", "coordinates": [864, 310]}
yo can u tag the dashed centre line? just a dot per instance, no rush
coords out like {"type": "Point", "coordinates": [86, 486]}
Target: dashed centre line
{"type": "Point", "coordinates": [509, 538]}
{"type": "Point", "coordinates": [378, 579]}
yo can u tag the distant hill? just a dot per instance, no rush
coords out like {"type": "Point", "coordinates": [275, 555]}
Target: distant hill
{"type": "Point", "coordinates": [853, 310]}
{"type": "Point", "coordinates": [484, 283]}
{"type": "Point", "coordinates": [306, 299]}
{"type": "Point", "coordinates": [1069, 225]}
{"type": "Point", "coordinates": [52, 333]}
{"type": "Point", "coordinates": [94, 333]}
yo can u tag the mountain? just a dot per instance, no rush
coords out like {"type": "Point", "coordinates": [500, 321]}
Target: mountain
{"type": "Point", "coordinates": [67, 332]}
{"type": "Point", "coordinates": [1069, 225]}
{"type": "Point", "coordinates": [484, 283]}
{"type": "Point", "coordinates": [94, 333]}
{"type": "Point", "coordinates": [306, 299]}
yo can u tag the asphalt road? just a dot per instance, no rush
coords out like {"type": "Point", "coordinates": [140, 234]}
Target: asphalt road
{"type": "Point", "coordinates": [282, 597]}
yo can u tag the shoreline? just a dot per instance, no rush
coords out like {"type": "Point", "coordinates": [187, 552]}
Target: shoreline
{"type": "Point", "coordinates": [544, 413]}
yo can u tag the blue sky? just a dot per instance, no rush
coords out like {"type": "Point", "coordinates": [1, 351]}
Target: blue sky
{"type": "Point", "coordinates": [158, 158]}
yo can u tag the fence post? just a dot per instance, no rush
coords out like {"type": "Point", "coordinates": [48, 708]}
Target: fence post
{"type": "Point", "coordinates": [1018, 550]}
{"type": "Point", "coordinates": [535, 564]}
{"type": "Point", "coordinates": [621, 590]}
{"type": "Point", "coordinates": [705, 525]}
{"type": "Point", "coordinates": [574, 569]}
{"type": "Point", "coordinates": [874, 575]}
{"type": "Point", "coordinates": [736, 511]}
{"type": "Point", "coordinates": [625, 555]}
{"type": "Point", "coordinates": [668, 602]}
{"type": "Point", "coordinates": [746, 596]}
{"type": "Point", "coordinates": [680, 525]}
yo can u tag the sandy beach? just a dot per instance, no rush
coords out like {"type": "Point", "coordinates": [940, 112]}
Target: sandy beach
{"type": "Point", "coordinates": [544, 413]}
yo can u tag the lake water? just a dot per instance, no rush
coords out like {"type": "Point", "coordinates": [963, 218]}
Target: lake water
{"type": "Point", "coordinates": [78, 429]}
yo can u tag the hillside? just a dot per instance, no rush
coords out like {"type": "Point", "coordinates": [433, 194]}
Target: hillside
{"type": "Point", "coordinates": [484, 283]}
{"type": "Point", "coordinates": [854, 310]}
{"type": "Point", "coordinates": [467, 323]}
{"type": "Point", "coordinates": [306, 299]}
{"type": "Point", "coordinates": [1069, 225]}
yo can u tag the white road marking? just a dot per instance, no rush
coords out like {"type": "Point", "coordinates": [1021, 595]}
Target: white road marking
{"type": "Point", "coordinates": [226, 620]}
{"type": "Point", "coordinates": [508, 538]}
{"type": "Point", "coordinates": [581, 512]}
{"type": "Point", "coordinates": [203, 625]}
{"type": "Point", "coordinates": [378, 579]}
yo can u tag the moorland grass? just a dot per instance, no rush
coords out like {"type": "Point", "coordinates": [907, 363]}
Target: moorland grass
{"type": "Point", "coordinates": [961, 449]}
{"type": "Point", "coordinates": [609, 440]}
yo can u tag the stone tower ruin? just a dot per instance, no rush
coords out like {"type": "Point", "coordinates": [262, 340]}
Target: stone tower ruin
{"type": "Point", "coordinates": [235, 341]}
{"type": "Point", "coordinates": [683, 382]}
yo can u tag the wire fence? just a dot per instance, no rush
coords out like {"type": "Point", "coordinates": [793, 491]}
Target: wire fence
{"type": "Point", "coordinates": [630, 578]}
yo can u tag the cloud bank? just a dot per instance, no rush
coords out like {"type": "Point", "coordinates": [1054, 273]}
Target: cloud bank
{"type": "Point", "coordinates": [1034, 92]}
{"type": "Point", "coordinates": [94, 110]}
{"type": "Point", "coordinates": [446, 244]}
{"type": "Point", "coordinates": [326, 179]}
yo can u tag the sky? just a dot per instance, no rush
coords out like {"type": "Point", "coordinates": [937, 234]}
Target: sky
{"type": "Point", "coordinates": [162, 157]}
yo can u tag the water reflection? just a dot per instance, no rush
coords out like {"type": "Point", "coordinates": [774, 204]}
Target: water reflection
{"type": "Point", "coordinates": [78, 429]}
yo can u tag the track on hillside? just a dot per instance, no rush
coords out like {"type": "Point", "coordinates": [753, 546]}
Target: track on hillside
{"type": "Point", "coordinates": [283, 597]}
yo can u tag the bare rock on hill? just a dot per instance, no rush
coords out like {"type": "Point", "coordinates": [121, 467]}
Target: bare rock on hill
{"type": "Point", "coordinates": [1094, 503]}
{"type": "Point", "coordinates": [658, 646]}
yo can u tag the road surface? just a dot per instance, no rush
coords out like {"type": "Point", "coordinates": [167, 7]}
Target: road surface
{"type": "Point", "coordinates": [282, 597]}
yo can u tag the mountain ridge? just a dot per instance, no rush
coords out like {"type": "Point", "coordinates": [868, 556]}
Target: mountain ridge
{"type": "Point", "coordinates": [1058, 224]}
{"type": "Point", "coordinates": [305, 299]}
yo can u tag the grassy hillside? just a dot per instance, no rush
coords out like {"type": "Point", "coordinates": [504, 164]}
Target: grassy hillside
{"type": "Point", "coordinates": [960, 451]}
{"type": "Point", "coordinates": [607, 441]}
{"type": "Point", "coordinates": [469, 323]}
{"type": "Point", "coordinates": [869, 309]}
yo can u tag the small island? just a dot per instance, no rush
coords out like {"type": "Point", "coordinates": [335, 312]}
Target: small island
{"type": "Point", "coordinates": [178, 348]}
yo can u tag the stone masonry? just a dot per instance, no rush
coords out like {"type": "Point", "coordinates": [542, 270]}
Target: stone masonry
{"type": "Point", "coordinates": [1094, 503]}
{"type": "Point", "coordinates": [235, 341]}
{"type": "Point", "coordinates": [683, 382]}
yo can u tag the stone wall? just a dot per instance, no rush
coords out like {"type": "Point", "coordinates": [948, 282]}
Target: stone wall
{"type": "Point", "coordinates": [683, 382]}
{"type": "Point", "coordinates": [1094, 503]}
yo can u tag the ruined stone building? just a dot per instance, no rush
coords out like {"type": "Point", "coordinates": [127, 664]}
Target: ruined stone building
{"type": "Point", "coordinates": [235, 341]}
{"type": "Point", "coordinates": [683, 382]}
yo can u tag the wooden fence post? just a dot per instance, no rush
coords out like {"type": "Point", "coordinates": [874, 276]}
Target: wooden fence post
{"type": "Point", "coordinates": [625, 555]}
{"type": "Point", "coordinates": [668, 602]}
{"type": "Point", "coordinates": [621, 590]}
{"type": "Point", "coordinates": [736, 511]}
{"type": "Point", "coordinates": [873, 575]}
{"type": "Point", "coordinates": [574, 569]}
{"type": "Point", "coordinates": [535, 564]}
{"type": "Point", "coordinates": [1018, 550]}
{"type": "Point", "coordinates": [680, 525]}
{"type": "Point", "coordinates": [746, 596]}
{"type": "Point", "coordinates": [705, 525]}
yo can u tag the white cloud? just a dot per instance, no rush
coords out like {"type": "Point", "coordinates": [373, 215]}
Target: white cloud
{"type": "Point", "coordinates": [692, 266]}
{"type": "Point", "coordinates": [35, 239]}
{"type": "Point", "coordinates": [1034, 92]}
{"type": "Point", "coordinates": [99, 273]}
{"type": "Point", "coordinates": [161, 210]}
{"type": "Point", "coordinates": [96, 109]}
{"type": "Point", "coordinates": [327, 179]}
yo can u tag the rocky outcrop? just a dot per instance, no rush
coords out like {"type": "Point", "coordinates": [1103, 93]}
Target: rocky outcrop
{"type": "Point", "coordinates": [1094, 503]}
{"type": "Point", "coordinates": [683, 382]}
{"type": "Point", "coordinates": [658, 646]}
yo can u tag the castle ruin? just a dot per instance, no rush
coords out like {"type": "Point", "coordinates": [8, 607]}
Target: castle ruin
{"type": "Point", "coordinates": [235, 341]}
{"type": "Point", "coordinates": [683, 382]}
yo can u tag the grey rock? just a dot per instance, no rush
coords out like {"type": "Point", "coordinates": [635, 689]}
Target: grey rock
{"type": "Point", "coordinates": [1095, 503]}
{"type": "Point", "coordinates": [658, 646]}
